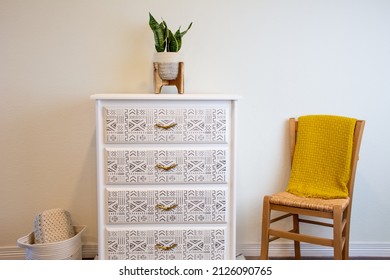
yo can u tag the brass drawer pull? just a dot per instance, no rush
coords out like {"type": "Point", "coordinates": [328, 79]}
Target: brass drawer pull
{"type": "Point", "coordinates": [166, 126]}
{"type": "Point", "coordinates": [166, 208]}
{"type": "Point", "coordinates": [165, 248]}
{"type": "Point", "coordinates": [166, 168]}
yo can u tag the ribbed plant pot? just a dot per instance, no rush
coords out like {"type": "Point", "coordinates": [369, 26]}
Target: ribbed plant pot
{"type": "Point", "coordinates": [168, 64]}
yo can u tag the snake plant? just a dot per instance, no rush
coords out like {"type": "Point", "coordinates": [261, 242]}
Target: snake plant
{"type": "Point", "coordinates": [164, 39]}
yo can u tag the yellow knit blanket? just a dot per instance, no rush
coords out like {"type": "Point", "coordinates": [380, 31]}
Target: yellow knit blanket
{"type": "Point", "coordinates": [322, 157]}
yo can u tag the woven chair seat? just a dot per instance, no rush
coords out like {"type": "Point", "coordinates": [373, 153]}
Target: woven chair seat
{"type": "Point", "coordinates": [325, 205]}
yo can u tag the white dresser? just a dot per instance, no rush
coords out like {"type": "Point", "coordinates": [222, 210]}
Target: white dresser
{"type": "Point", "coordinates": [166, 176]}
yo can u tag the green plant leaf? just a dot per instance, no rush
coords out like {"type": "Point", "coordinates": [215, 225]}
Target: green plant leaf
{"type": "Point", "coordinates": [159, 32]}
{"type": "Point", "coordinates": [179, 35]}
{"type": "Point", "coordinates": [165, 29]}
{"type": "Point", "coordinates": [172, 45]}
{"type": "Point", "coordinates": [184, 32]}
{"type": "Point", "coordinates": [178, 39]}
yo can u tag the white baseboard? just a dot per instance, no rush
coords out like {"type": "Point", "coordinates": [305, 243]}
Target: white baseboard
{"type": "Point", "coordinates": [380, 250]}
{"type": "Point", "coordinates": [12, 253]}
{"type": "Point", "coordinates": [282, 250]}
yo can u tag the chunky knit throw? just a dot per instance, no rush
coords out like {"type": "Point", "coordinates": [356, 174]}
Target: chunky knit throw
{"type": "Point", "coordinates": [322, 157]}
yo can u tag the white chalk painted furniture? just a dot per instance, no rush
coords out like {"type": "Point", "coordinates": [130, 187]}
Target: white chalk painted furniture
{"type": "Point", "coordinates": [166, 176]}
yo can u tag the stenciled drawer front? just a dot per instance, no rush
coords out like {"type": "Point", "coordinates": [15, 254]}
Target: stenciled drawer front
{"type": "Point", "coordinates": [167, 244]}
{"type": "Point", "coordinates": [165, 166]}
{"type": "Point", "coordinates": [166, 206]}
{"type": "Point", "coordinates": [150, 125]}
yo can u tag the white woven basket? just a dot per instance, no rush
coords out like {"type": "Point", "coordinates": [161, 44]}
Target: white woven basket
{"type": "Point", "coordinates": [69, 249]}
{"type": "Point", "coordinates": [168, 64]}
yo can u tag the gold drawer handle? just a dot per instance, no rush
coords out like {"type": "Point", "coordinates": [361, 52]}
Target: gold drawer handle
{"type": "Point", "coordinates": [166, 126]}
{"type": "Point", "coordinates": [165, 248]}
{"type": "Point", "coordinates": [166, 208]}
{"type": "Point", "coordinates": [166, 168]}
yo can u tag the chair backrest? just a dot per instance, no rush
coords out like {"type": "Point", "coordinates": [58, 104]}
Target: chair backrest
{"type": "Point", "coordinates": [359, 127]}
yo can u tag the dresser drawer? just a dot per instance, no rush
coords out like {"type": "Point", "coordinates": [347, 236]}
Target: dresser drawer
{"type": "Point", "coordinates": [166, 244]}
{"type": "Point", "coordinates": [175, 125]}
{"type": "Point", "coordinates": [166, 206]}
{"type": "Point", "coordinates": [165, 166]}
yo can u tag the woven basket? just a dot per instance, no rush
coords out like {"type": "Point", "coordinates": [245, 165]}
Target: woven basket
{"type": "Point", "coordinates": [168, 64]}
{"type": "Point", "coordinates": [168, 71]}
{"type": "Point", "coordinates": [69, 249]}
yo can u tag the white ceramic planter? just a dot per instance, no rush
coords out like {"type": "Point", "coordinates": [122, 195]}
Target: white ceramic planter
{"type": "Point", "coordinates": [168, 64]}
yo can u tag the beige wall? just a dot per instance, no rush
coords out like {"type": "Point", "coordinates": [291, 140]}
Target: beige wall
{"type": "Point", "coordinates": [286, 58]}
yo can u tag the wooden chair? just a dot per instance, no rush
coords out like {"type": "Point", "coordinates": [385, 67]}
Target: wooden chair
{"type": "Point", "coordinates": [338, 210]}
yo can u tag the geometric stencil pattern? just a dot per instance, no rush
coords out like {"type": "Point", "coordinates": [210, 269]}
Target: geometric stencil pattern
{"type": "Point", "coordinates": [185, 244]}
{"type": "Point", "coordinates": [188, 166]}
{"type": "Point", "coordinates": [176, 206]}
{"type": "Point", "coordinates": [158, 193]}
{"type": "Point", "coordinates": [138, 125]}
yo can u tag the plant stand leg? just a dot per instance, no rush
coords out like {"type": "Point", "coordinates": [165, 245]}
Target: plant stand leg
{"type": "Point", "coordinates": [178, 82]}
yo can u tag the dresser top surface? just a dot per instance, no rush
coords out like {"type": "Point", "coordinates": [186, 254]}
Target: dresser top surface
{"type": "Point", "coordinates": [168, 96]}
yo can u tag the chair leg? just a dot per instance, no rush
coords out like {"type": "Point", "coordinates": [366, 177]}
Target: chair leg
{"type": "Point", "coordinates": [297, 244]}
{"type": "Point", "coordinates": [337, 233]}
{"type": "Point", "coordinates": [346, 234]}
{"type": "Point", "coordinates": [346, 246]}
{"type": "Point", "coordinates": [264, 229]}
